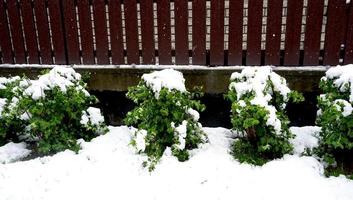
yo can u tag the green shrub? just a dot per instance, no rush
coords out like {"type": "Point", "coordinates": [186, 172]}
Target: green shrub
{"type": "Point", "coordinates": [52, 111]}
{"type": "Point", "coordinates": [259, 98]}
{"type": "Point", "coordinates": [165, 116]}
{"type": "Point", "coordinates": [336, 119]}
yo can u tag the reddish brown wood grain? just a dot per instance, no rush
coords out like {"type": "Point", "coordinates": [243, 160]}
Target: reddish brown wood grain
{"type": "Point", "coordinates": [181, 32]}
{"type": "Point", "coordinates": [84, 15]}
{"type": "Point", "coordinates": [56, 23]}
{"type": "Point", "coordinates": [5, 41]}
{"type": "Point", "coordinates": [253, 56]}
{"type": "Point", "coordinates": [148, 48]}
{"type": "Point", "coordinates": [313, 32]}
{"type": "Point", "coordinates": [273, 32]}
{"type": "Point", "coordinates": [100, 26]}
{"type": "Point", "coordinates": [132, 47]}
{"type": "Point", "coordinates": [16, 31]}
{"type": "Point", "coordinates": [348, 59]}
{"type": "Point", "coordinates": [235, 49]}
{"type": "Point", "coordinates": [293, 28]}
{"type": "Point", "coordinates": [335, 31]}
{"type": "Point", "coordinates": [43, 31]}
{"type": "Point", "coordinates": [164, 32]}
{"type": "Point", "coordinates": [199, 32]}
{"type": "Point", "coordinates": [71, 32]}
{"type": "Point", "coordinates": [29, 32]}
{"type": "Point", "coordinates": [217, 33]}
{"type": "Point", "coordinates": [116, 34]}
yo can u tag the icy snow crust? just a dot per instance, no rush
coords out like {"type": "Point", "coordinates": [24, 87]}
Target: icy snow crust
{"type": "Point", "coordinates": [255, 79]}
{"type": "Point", "coordinates": [167, 78]}
{"type": "Point", "coordinates": [108, 168]}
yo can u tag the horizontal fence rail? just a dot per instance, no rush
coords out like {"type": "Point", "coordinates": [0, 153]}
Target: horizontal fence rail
{"type": "Point", "coordinates": [183, 32]}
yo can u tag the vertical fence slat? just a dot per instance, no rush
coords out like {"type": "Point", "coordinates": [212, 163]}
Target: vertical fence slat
{"type": "Point", "coordinates": [313, 32]}
{"type": "Point", "coordinates": [199, 32]}
{"type": "Point", "coordinates": [335, 31]}
{"type": "Point", "coordinates": [273, 32]}
{"type": "Point", "coordinates": [29, 31]}
{"type": "Point", "coordinates": [5, 41]}
{"type": "Point", "coordinates": [254, 32]}
{"type": "Point", "coordinates": [348, 58]}
{"type": "Point", "coordinates": [164, 38]}
{"type": "Point", "coordinates": [116, 34]}
{"type": "Point", "coordinates": [148, 48]}
{"type": "Point", "coordinates": [293, 28]}
{"type": "Point", "coordinates": [57, 31]}
{"type": "Point", "coordinates": [71, 32]}
{"type": "Point", "coordinates": [132, 47]}
{"type": "Point", "coordinates": [43, 31]}
{"type": "Point", "coordinates": [217, 33]}
{"type": "Point", "coordinates": [16, 31]}
{"type": "Point", "coordinates": [100, 26]}
{"type": "Point", "coordinates": [235, 44]}
{"type": "Point", "coordinates": [181, 32]}
{"type": "Point", "coordinates": [84, 15]}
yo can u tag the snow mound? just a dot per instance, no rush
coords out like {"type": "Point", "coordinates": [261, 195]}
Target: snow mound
{"type": "Point", "coordinates": [167, 78]}
{"type": "Point", "coordinates": [305, 137]}
{"type": "Point", "coordinates": [108, 168]}
{"type": "Point", "coordinates": [12, 152]}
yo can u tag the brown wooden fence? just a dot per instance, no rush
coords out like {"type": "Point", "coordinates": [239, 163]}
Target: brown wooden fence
{"type": "Point", "coordinates": [197, 32]}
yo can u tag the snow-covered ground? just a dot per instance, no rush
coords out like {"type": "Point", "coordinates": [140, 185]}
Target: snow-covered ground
{"type": "Point", "coordinates": [108, 168]}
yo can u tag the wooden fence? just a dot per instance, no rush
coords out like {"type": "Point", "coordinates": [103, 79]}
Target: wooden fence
{"type": "Point", "coordinates": [197, 32]}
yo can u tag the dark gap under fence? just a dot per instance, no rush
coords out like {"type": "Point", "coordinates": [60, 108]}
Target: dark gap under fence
{"type": "Point", "coordinates": [115, 106]}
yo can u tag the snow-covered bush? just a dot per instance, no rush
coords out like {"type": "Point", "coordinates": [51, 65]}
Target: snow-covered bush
{"type": "Point", "coordinates": [166, 116]}
{"type": "Point", "coordinates": [52, 111]}
{"type": "Point", "coordinates": [259, 97]}
{"type": "Point", "coordinates": [336, 119]}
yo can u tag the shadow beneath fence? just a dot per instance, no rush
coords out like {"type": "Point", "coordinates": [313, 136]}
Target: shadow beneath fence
{"type": "Point", "coordinates": [115, 106]}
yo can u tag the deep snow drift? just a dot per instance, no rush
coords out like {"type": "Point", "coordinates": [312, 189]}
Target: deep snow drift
{"type": "Point", "coordinates": [108, 168]}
